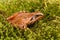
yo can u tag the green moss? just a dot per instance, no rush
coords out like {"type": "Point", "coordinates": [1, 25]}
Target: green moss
{"type": "Point", "coordinates": [47, 28]}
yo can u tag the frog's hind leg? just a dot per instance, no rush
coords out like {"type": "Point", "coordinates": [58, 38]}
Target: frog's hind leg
{"type": "Point", "coordinates": [12, 16]}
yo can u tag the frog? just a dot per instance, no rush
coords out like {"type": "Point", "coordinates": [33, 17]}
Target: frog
{"type": "Point", "coordinates": [23, 19]}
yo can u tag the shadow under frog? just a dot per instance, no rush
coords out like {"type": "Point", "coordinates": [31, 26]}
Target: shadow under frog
{"type": "Point", "coordinates": [23, 19]}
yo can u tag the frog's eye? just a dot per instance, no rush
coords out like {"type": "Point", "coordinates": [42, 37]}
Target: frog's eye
{"type": "Point", "coordinates": [38, 14]}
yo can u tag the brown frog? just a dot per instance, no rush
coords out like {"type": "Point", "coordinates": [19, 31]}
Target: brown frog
{"type": "Point", "coordinates": [23, 19]}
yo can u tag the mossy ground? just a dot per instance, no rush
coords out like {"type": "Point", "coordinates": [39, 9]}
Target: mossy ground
{"type": "Point", "coordinates": [47, 28]}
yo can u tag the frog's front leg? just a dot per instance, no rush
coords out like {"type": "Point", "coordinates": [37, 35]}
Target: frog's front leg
{"type": "Point", "coordinates": [25, 27]}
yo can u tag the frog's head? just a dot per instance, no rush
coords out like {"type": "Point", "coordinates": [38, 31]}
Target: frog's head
{"type": "Point", "coordinates": [36, 17]}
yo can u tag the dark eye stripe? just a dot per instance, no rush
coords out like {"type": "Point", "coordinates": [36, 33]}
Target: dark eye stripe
{"type": "Point", "coordinates": [33, 18]}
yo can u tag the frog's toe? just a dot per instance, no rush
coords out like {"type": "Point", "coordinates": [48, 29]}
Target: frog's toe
{"type": "Point", "coordinates": [25, 27]}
